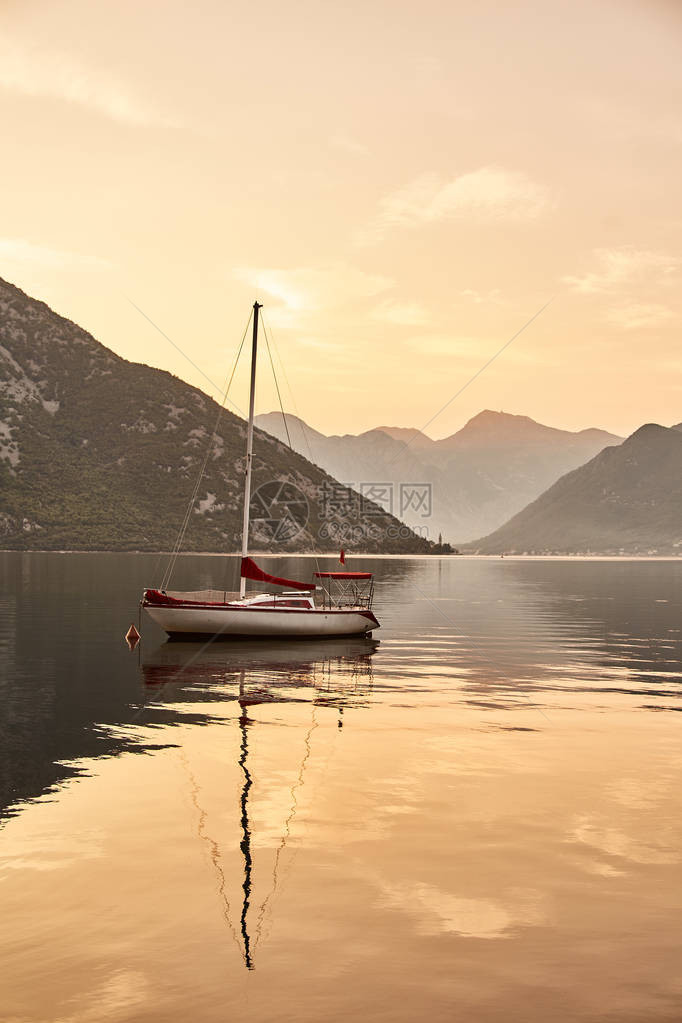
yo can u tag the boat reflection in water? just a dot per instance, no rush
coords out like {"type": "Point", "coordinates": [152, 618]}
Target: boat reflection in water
{"type": "Point", "coordinates": [333, 674]}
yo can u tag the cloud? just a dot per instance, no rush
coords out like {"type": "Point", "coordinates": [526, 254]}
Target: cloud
{"type": "Point", "coordinates": [492, 297]}
{"type": "Point", "coordinates": [402, 314]}
{"type": "Point", "coordinates": [490, 193]}
{"type": "Point", "coordinates": [622, 266]}
{"type": "Point", "coordinates": [348, 145]}
{"type": "Point", "coordinates": [303, 290]}
{"type": "Point", "coordinates": [639, 315]}
{"type": "Point", "coordinates": [39, 72]}
{"type": "Point", "coordinates": [453, 346]}
{"type": "Point", "coordinates": [623, 120]}
{"type": "Point", "coordinates": [320, 344]}
{"type": "Point", "coordinates": [19, 250]}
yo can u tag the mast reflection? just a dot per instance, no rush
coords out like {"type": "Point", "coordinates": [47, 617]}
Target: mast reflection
{"type": "Point", "coordinates": [245, 843]}
{"type": "Point", "coordinates": [332, 674]}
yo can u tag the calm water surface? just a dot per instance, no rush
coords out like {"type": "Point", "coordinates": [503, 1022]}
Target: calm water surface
{"type": "Point", "coordinates": [477, 817]}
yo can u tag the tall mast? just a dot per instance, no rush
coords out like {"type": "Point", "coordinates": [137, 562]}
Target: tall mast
{"type": "Point", "coordinates": [249, 446]}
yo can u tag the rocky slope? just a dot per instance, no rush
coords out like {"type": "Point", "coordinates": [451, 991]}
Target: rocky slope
{"type": "Point", "coordinates": [626, 500]}
{"type": "Point", "coordinates": [100, 453]}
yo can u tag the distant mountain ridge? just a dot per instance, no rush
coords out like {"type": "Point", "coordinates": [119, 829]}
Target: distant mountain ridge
{"type": "Point", "coordinates": [100, 453]}
{"type": "Point", "coordinates": [415, 438]}
{"type": "Point", "coordinates": [477, 478]}
{"type": "Point", "coordinates": [505, 429]}
{"type": "Point", "coordinates": [626, 500]}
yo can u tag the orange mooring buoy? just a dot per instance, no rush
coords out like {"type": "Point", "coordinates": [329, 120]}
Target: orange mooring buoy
{"type": "Point", "coordinates": [132, 637]}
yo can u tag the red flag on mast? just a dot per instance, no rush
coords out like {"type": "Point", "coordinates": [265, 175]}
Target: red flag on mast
{"type": "Point", "coordinates": [342, 557]}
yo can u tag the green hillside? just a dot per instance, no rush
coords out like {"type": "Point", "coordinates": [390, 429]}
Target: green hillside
{"type": "Point", "coordinates": [98, 453]}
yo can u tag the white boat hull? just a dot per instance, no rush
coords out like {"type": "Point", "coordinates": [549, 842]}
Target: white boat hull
{"type": "Point", "coordinates": [253, 621]}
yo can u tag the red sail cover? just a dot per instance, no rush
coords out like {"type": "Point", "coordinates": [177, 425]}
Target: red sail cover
{"type": "Point", "coordinates": [250, 570]}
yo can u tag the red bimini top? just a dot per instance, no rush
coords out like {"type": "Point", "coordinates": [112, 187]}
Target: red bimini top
{"type": "Point", "coordinates": [343, 575]}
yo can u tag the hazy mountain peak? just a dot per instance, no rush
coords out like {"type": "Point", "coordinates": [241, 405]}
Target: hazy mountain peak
{"type": "Point", "coordinates": [504, 430]}
{"type": "Point", "coordinates": [488, 420]}
{"type": "Point", "coordinates": [595, 432]}
{"type": "Point", "coordinates": [498, 428]}
{"type": "Point", "coordinates": [502, 424]}
{"type": "Point", "coordinates": [409, 435]}
{"type": "Point", "coordinates": [469, 483]}
{"type": "Point", "coordinates": [647, 431]}
{"type": "Point", "coordinates": [488, 415]}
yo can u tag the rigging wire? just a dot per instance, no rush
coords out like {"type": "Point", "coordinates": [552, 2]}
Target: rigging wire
{"type": "Point", "coordinates": [291, 392]}
{"type": "Point", "coordinates": [298, 784]}
{"type": "Point", "coordinates": [477, 374]}
{"type": "Point", "coordinates": [304, 427]}
{"type": "Point", "coordinates": [179, 349]}
{"type": "Point", "coordinates": [212, 844]}
{"type": "Point", "coordinates": [274, 376]}
{"type": "Point", "coordinates": [188, 513]}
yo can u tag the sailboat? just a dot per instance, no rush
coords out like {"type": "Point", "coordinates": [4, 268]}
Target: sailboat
{"type": "Point", "coordinates": [344, 600]}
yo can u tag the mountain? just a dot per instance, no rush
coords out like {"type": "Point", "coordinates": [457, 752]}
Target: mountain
{"type": "Point", "coordinates": [100, 453]}
{"type": "Point", "coordinates": [503, 431]}
{"type": "Point", "coordinates": [415, 438]}
{"type": "Point", "coordinates": [501, 462]}
{"type": "Point", "coordinates": [461, 486]}
{"type": "Point", "coordinates": [303, 438]}
{"type": "Point", "coordinates": [380, 466]}
{"type": "Point", "coordinates": [626, 500]}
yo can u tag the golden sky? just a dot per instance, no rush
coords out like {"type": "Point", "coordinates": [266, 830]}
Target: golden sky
{"type": "Point", "coordinates": [402, 184]}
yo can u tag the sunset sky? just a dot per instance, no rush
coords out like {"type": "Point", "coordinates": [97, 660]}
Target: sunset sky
{"type": "Point", "coordinates": [402, 184]}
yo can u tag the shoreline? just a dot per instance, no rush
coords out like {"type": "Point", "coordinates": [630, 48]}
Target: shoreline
{"type": "Point", "coordinates": [356, 556]}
